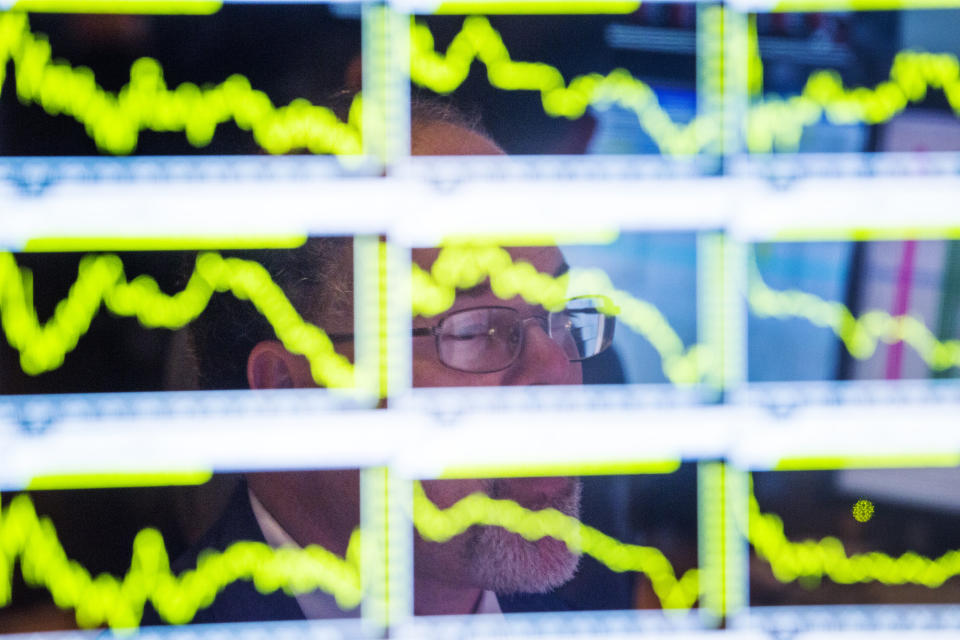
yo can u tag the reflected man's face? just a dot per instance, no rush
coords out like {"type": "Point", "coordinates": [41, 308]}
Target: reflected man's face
{"type": "Point", "coordinates": [323, 506]}
{"type": "Point", "coordinates": [541, 361]}
{"type": "Point", "coordinates": [491, 557]}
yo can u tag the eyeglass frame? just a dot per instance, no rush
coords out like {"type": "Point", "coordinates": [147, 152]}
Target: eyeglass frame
{"type": "Point", "coordinates": [545, 325]}
{"type": "Point", "coordinates": [422, 332]}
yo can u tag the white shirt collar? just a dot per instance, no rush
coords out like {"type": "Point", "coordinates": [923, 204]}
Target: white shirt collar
{"type": "Point", "coordinates": [316, 605]}
{"type": "Point", "coordinates": [319, 604]}
{"type": "Point", "coordinates": [488, 603]}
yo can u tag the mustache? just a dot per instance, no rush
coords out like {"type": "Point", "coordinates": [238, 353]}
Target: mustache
{"type": "Point", "coordinates": [564, 497]}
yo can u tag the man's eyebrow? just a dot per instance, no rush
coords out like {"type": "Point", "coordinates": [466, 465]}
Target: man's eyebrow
{"type": "Point", "coordinates": [476, 291]}
{"type": "Point", "coordinates": [484, 287]}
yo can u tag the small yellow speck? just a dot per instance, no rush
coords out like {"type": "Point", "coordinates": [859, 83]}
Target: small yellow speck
{"type": "Point", "coordinates": [862, 510]}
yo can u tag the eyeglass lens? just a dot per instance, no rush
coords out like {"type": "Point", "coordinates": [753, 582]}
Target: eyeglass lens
{"type": "Point", "coordinates": [582, 329]}
{"type": "Point", "coordinates": [490, 338]}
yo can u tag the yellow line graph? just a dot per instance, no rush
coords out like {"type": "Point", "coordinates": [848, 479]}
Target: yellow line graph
{"type": "Point", "coordinates": [114, 120]}
{"type": "Point", "coordinates": [465, 266]}
{"type": "Point", "coordinates": [860, 335]}
{"type": "Point", "coordinates": [772, 121]}
{"type": "Point", "coordinates": [440, 525]}
{"type": "Point", "coordinates": [119, 603]}
{"type": "Point", "coordinates": [827, 557]}
{"type": "Point", "coordinates": [104, 599]}
{"type": "Point", "coordinates": [775, 122]}
{"type": "Point", "coordinates": [101, 280]}
{"type": "Point", "coordinates": [478, 40]}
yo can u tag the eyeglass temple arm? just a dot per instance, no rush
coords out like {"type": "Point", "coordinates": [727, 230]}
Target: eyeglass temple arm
{"type": "Point", "coordinates": [347, 337]}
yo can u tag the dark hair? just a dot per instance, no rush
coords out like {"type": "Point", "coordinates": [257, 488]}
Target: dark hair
{"type": "Point", "coordinates": [316, 278]}
{"type": "Point", "coordinates": [430, 109]}
{"type": "Point", "coordinates": [426, 108]}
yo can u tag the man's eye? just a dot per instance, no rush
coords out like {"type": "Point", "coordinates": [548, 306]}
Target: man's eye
{"type": "Point", "coordinates": [473, 332]}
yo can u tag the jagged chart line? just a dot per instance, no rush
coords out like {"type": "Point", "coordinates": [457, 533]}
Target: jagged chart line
{"type": "Point", "coordinates": [775, 122]}
{"type": "Point", "coordinates": [119, 603]}
{"type": "Point", "coordinates": [860, 336]}
{"type": "Point", "coordinates": [104, 599]}
{"type": "Point", "coordinates": [827, 558]}
{"type": "Point", "coordinates": [101, 280]}
{"type": "Point", "coordinates": [772, 121]}
{"type": "Point", "coordinates": [114, 121]}
{"type": "Point", "coordinates": [439, 525]}
{"type": "Point", "coordinates": [478, 40]}
{"type": "Point", "coordinates": [463, 267]}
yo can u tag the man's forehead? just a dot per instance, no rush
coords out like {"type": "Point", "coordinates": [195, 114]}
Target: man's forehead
{"type": "Point", "coordinates": [446, 139]}
{"type": "Point", "coordinates": [546, 259]}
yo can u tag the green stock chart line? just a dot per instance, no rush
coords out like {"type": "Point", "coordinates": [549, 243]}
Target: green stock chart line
{"type": "Point", "coordinates": [31, 540]}
{"type": "Point", "coordinates": [859, 335]}
{"type": "Point", "coordinates": [101, 283]}
{"type": "Point", "coordinates": [478, 40]}
{"type": "Point", "coordinates": [115, 120]}
{"type": "Point", "coordinates": [772, 121]}
{"type": "Point", "coordinates": [104, 599]}
{"type": "Point", "coordinates": [827, 558]}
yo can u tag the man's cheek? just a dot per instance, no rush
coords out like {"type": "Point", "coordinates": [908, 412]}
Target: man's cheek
{"type": "Point", "coordinates": [445, 493]}
{"type": "Point", "coordinates": [430, 374]}
{"type": "Point", "coordinates": [558, 492]}
{"type": "Point", "coordinates": [427, 372]}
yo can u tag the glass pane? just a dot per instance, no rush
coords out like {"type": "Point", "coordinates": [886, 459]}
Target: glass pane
{"type": "Point", "coordinates": [479, 339]}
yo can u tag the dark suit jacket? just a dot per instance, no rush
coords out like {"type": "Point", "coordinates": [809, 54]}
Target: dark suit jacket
{"type": "Point", "coordinates": [241, 602]}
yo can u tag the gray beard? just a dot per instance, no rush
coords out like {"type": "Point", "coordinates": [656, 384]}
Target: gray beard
{"type": "Point", "coordinates": [506, 562]}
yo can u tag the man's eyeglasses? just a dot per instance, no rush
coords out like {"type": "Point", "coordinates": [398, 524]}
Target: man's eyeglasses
{"type": "Point", "coordinates": [488, 339]}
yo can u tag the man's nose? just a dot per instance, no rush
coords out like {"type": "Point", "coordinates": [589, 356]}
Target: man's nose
{"type": "Point", "coordinates": [542, 360]}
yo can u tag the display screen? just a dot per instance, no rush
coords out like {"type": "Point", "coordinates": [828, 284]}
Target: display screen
{"type": "Point", "coordinates": [479, 319]}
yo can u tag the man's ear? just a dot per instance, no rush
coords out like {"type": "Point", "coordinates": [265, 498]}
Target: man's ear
{"type": "Point", "coordinates": [271, 366]}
